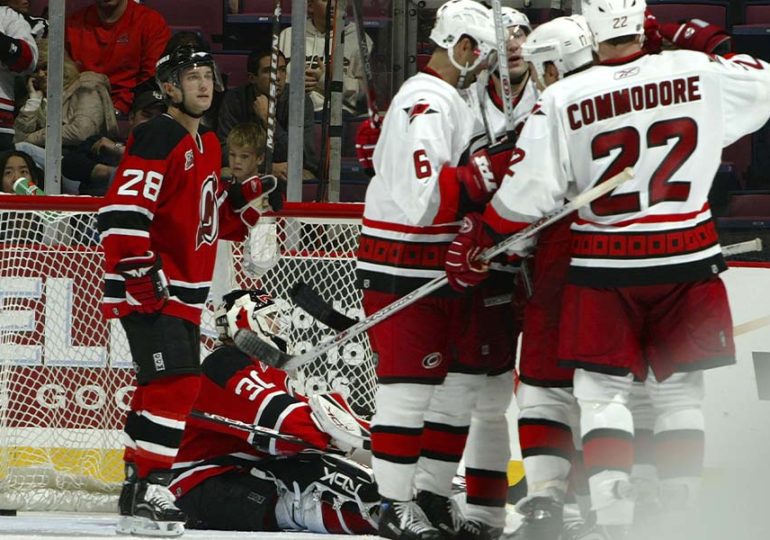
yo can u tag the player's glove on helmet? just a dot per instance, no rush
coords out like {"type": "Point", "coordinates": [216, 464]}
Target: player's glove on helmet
{"type": "Point", "coordinates": [366, 139]}
{"type": "Point", "coordinates": [653, 42]}
{"type": "Point", "coordinates": [697, 35]}
{"type": "Point", "coordinates": [463, 267]}
{"type": "Point", "coordinates": [146, 284]}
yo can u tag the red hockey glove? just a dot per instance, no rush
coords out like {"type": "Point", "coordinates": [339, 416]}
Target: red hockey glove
{"type": "Point", "coordinates": [463, 268]}
{"type": "Point", "coordinates": [485, 170]}
{"type": "Point", "coordinates": [697, 35]}
{"type": "Point", "coordinates": [146, 284]}
{"type": "Point", "coordinates": [653, 42]}
{"type": "Point", "coordinates": [366, 139]}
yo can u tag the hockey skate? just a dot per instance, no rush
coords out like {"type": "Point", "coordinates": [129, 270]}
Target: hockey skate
{"type": "Point", "coordinates": [442, 513]}
{"type": "Point", "coordinates": [405, 521]}
{"type": "Point", "coordinates": [542, 520]}
{"type": "Point", "coordinates": [152, 511]}
{"type": "Point", "coordinates": [125, 500]}
{"type": "Point", "coordinates": [476, 530]}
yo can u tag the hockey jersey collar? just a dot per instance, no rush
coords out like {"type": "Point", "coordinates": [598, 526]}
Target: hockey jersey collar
{"type": "Point", "coordinates": [431, 71]}
{"type": "Point", "coordinates": [623, 60]}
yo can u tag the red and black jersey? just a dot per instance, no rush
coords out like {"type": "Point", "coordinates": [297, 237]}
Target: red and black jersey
{"type": "Point", "coordinates": [238, 387]}
{"type": "Point", "coordinates": [167, 197]}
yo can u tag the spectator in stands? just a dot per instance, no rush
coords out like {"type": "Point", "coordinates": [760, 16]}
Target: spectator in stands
{"type": "Point", "coordinates": [315, 37]}
{"type": "Point", "coordinates": [18, 55]}
{"type": "Point", "coordinates": [15, 165]}
{"type": "Point", "coordinates": [86, 106]}
{"type": "Point", "coordinates": [39, 25]}
{"type": "Point", "coordinates": [119, 38]}
{"type": "Point", "coordinates": [246, 144]}
{"type": "Point", "coordinates": [248, 103]}
{"type": "Point", "coordinates": [92, 163]}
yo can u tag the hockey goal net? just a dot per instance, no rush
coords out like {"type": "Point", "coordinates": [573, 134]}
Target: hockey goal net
{"type": "Point", "coordinates": [65, 372]}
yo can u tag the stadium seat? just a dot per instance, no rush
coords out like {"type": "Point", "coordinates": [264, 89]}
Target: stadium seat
{"type": "Point", "coordinates": [749, 204]}
{"type": "Point", "coordinates": [207, 14]}
{"type": "Point", "coordinates": [234, 66]}
{"type": "Point", "coordinates": [714, 11]}
{"type": "Point", "coordinates": [757, 13]}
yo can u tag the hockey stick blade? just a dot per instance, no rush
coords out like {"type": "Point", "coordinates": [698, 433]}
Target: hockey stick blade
{"type": "Point", "coordinates": [250, 343]}
{"type": "Point", "coordinates": [741, 247]}
{"type": "Point", "coordinates": [307, 298]}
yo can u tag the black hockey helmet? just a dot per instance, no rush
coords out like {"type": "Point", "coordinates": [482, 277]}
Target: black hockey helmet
{"type": "Point", "coordinates": [170, 65]}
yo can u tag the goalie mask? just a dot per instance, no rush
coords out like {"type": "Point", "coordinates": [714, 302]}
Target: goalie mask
{"type": "Point", "coordinates": [253, 310]}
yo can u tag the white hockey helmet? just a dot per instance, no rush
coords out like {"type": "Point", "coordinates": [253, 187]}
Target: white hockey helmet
{"type": "Point", "coordinates": [458, 18]}
{"type": "Point", "coordinates": [514, 17]}
{"type": "Point", "coordinates": [565, 41]}
{"type": "Point", "coordinates": [614, 18]}
{"type": "Point", "coordinates": [254, 310]}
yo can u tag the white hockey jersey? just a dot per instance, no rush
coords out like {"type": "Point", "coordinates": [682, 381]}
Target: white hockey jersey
{"type": "Point", "coordinates": [486, 101]}
{"type": "Point", "coordinates": [412, 203]}
{"type": "Point", "coordinates": [667, 116]}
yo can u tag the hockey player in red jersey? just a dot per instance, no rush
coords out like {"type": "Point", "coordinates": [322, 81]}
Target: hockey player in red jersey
{"type": "Point", "coordinates": [231, 479]}
{"type": "Point", "coordinates": [159, 224]}
{"type": "Point", "coordinates": [422, 185]}
{"type": "Point", "coordinates": [643, 296]}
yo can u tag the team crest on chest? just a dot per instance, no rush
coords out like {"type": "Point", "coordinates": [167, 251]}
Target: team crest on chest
{"type": "Point", "coordinates": [208, 229]}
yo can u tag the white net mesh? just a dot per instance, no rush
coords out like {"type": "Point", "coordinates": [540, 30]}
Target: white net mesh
{"type": "Point", "coordinates": [65, 377]}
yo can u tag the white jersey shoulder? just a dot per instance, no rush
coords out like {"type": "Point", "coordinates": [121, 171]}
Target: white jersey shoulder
{"type": "Point", "coordinates": [428, 126]}
{"type": "Point", "coordinates": [483, 102]}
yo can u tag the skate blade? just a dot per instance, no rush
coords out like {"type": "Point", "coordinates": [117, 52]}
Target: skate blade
{"type": "Point", "coordinates": [141, 526]}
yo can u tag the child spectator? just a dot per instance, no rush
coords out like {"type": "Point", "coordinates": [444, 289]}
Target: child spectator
{"type": "Point", "coordinates": [15, 165]}
{"type": "Point", "coordinates": [245, 143]}
{"type": "Point", "coordinates": [86, 106]}
{"type": "Point", "coordinates": [315, 38]}
{"type": "Point", "coordinates": [248, 103]}
{"type": "Point", "coordinates": [119, 38]}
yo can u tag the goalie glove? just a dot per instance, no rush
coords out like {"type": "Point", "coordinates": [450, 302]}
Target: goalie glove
{"type": "Point", "coordinates": [334, 416]}
{"type": "Point", "coordinates": [146, 284]}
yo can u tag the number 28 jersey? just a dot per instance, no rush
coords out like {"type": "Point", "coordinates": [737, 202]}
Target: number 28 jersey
{"type": "Point", "coordinates": [666, 116]}
{"type": "Point", "coordinates": [167, 197]}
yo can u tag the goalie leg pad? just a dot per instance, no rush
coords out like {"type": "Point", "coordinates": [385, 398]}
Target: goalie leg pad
{"type": "Point", "coordinates": [322, 493]}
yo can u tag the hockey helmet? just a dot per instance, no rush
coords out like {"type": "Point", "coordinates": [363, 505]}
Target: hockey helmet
{"type": "Point", "coordinates": [253, 310]}
{"type": "Point", "coordinates": [565, 41]}
{"type": "Point", "coordinates": [458, 18]}
{"type": "Point", "coordinates": [170, 66]}
{"type": "Point", "coordinates": [514, 17]}
{"type": "Point", "coordinates": [609, 19]}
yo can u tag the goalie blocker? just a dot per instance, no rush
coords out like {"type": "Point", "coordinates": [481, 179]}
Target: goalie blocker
{"type": "Point", "coordinates": [256, 455]}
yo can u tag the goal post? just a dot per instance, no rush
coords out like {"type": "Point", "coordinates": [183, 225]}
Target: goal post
{"type": "Point", "coordinates": [65, 371]}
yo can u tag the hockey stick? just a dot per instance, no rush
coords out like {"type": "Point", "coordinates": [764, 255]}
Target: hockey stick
{"type": "Point", "coordinates": [272, 94]}
{"type": "Point", "coordinates": [259, 431]}
{"type": "Point", "coordinates": [250, 342]}
{"type": "Point", "coordinates": [740, 247]}
{"type": "Point", "coordinates": [502, 68]}
{"type": "Point", "coordinates": [363, 51]}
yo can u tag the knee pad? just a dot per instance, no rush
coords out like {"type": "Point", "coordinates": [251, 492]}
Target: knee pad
{"type": "Point", "coordinates": [495, 396]}
{"type": "Point", "coordinates": [402, 404]}
{"type": "Point", "coordinates": [454, 399]}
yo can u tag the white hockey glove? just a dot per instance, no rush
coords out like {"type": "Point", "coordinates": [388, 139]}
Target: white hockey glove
{"type": "Point", "coordinates": [334, 416]}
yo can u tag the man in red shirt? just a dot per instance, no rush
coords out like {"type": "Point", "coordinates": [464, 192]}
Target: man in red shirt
{"type": "Point", "coordinates": [120, 39]}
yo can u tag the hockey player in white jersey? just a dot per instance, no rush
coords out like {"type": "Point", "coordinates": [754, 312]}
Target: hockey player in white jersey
{"type": "Point", "coordinates": [414, 203]}
{"type": "Point", "coordinates": [487, 451]}
{"type": "Point", "coordinates": [644, 296]}
{"type": "Point", "coordinates": [547, 409]}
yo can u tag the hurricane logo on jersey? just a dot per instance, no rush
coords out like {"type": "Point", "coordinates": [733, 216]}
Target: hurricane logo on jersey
{"type": "Point", "coordinates": [421, 107]}
{"type": "Point", "coordinates": [208, 230]}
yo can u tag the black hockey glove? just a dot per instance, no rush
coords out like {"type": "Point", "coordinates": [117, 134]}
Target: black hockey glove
{"type": "Point", "coordinates": [10, 49]}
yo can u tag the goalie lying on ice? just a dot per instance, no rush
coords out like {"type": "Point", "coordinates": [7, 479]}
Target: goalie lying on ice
{"type": "Point", "coordinates": [232, 479]}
